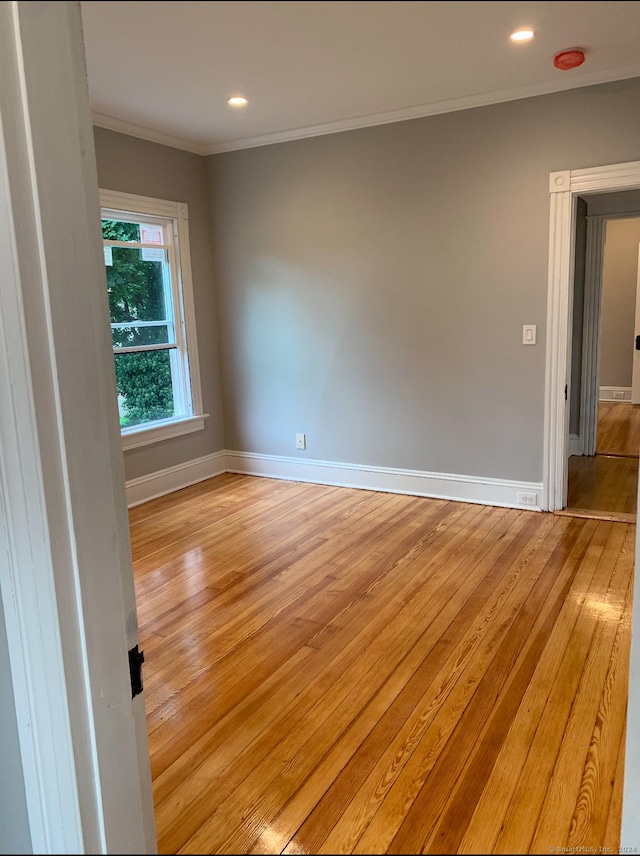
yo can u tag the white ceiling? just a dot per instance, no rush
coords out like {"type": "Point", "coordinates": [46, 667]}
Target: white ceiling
{"type": "Point", "coordinates": [164, 70]}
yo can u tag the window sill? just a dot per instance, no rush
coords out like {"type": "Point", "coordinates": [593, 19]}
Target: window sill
{"type": "Point", "coordinates": [144, 436]}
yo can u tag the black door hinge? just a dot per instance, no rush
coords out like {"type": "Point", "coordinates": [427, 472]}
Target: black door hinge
{"type": "Point", "coordinates": [565, 392]}
{"type": "Point", "coordinates": [136, 659]}
{"type": "Point", "coordinates": [637, 343]}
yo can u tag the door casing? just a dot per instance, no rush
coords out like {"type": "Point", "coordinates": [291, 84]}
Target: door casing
{"type": "Point", "coordinates": [564, 188]}
{"type": "Point", "coordinates": [635, 377]}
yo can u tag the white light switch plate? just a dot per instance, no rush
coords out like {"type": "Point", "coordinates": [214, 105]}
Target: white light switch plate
{"type": "Point", "coordinates": [529, 334]}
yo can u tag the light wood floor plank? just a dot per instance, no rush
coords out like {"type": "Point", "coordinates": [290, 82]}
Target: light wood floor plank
{"type": "Point", "coordinates": [603, 483]}
{"type": "Point", "coordinates": [308, 675]}
{"type": "Point", "coordinates": [611, 837]}
{"type": "Point", "coordinates": [553, 674]}
{"type": "Point", "coordinates": [618, 431]}
{"type": "Point", "coordinates": [340, 775]}
{"type": "Point", "coordinates": [390, 748]}
{"type": "Point", "coordinates": [233, 682]}
{"type": "Point", "coordinates": [572, 781]}
{"type": "Point", "coordinates": [606, 485]}
{"type": "Point", "coordinates": [340, 654]}
{"type": "Point", "coordinates": [340, 702]}
{"type": "Point", "coordinates": [591, 813]}
{"type": "Point", "coordinates": [332, 670]}
{"type": "Point", "coordinates": [521, 820]}
{"type": "Point", "coordinates": [522, 643]}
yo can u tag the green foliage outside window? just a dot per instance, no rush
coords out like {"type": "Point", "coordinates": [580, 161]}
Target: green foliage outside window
{"type": "Point", "coordinates": [144, 381]}
{"type": "Point", "coordinates": [136, 294]}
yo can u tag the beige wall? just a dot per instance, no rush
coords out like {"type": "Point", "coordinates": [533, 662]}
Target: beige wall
{"type": "Point", "coordinates": [619, 276]}
{"type": "Point", "coordinates": [373, 284]}
{"type": "Point", "coordinates": [137, 166]}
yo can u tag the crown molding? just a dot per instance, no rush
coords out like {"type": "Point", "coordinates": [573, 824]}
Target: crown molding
{"type": "Point", "coordinates": [435, 108]}
{"type": "Point", "coordinates": [403, 114]}
{"type": "Point", "coordinates": [142, 132]}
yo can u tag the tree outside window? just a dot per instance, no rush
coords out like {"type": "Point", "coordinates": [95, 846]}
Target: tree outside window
{"type": "Point", "coordinates": [148, 326]}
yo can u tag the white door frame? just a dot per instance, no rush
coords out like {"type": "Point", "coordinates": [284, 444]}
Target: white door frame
{"type": "Point", "coordinates": [591, 325]}
{"type": "Point", "coordinates": [635, 376]}
{"type": "Point", "coordinates": [564, 188]}
{"type": "Point", "coordinates": [591, 317]}
{"type": "Point", "coordinates": [66, 582]}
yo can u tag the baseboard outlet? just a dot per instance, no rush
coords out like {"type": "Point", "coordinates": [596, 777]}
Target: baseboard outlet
{"type": "Point", "coordinates": [576, 446]}
{"type": "Point", "coordinates": [485, 491]}
{"type": "Point", "coordinates": [615, 393]}
{"type": "Point", "coordinates": [174, 478]}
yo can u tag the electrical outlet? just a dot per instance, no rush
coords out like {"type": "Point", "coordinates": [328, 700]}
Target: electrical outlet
{"type": "Point", "coordinates": [301, 441]}
{"type": "Point", "coordinates": [527, 499]}
{"type": "Point", "coordinates": [618, 394]}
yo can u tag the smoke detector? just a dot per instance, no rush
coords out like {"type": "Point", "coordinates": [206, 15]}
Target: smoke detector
{"type": "Point", "coordinates": [569, 58]}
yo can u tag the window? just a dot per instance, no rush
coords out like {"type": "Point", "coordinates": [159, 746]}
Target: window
{"type": "Point", "coordinates": [146, 255]}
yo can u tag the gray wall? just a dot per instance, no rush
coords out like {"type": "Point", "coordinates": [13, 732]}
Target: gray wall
{"type": "Point", "coordinates": [617, 202]}
{"type": "Point", "coordinates": [15, 836]}
{"type": "Point", "coordinates": [372, 285]}
{"type": "Point", "coordinates": [137, 166]}
{"type": "Point", "coordinates": [619, 277]}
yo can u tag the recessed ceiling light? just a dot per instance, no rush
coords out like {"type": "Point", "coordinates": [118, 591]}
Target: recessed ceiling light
{"type": "Point", "coordinates": [237, 101]}
{"type": "Point", "coordinates": [524, 35]}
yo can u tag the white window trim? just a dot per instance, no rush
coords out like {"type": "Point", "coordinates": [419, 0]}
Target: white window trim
{"type": "Point", "coordinates": [143, 435]}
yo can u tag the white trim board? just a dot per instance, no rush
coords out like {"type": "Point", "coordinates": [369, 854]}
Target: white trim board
{"type": "Point", "coordinates": [67, 583]}
{"type": "Point", "coordinates": [608, 393]}
{"type": "Point", "coordinates": [419, 111]}
{"type": "Point", "coordinates": [564, 188]}
{"type": "Point", "coordinates": [459, 488]}
{"type": "Point", "coordinates": [591, 324]}
{"type": "Point", "coordinates": [136, 438]}
{"type": "Point", "coordinates": [165, 481]}
{"type": "Point", "coordinates": [143, 132]}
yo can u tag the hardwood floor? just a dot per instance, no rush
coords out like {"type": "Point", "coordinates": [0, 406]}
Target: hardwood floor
{"type": "Point", "coordinates": [332, 670]}
{"type": "Point", "coordinates": [603, 483]}
{"type": "Point", "coordinates": [606, 485]}
{"type": "Point", "coordinates": [618, 428]}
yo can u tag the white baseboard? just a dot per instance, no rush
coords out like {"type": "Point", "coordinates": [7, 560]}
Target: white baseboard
{"type": "Point", "coordinates": [173, 478]}
{"type": "Point", "coordinates": [576, 446]}
{"type": "Point", "coordinates": [486, 491]}
{"type": "Point", "coordinates": [615, 393]}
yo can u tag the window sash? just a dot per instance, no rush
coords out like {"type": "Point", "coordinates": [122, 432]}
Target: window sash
{"type": "Point", "coordinates": [135, 245]}
{"type": "Point", "coordinates": [180, 377]}
{"type": "Point", "coordinates": [165, 322]}
{"type": "Point", "coordinates": [120, 325]}
{"type": "Point", "coordinates": [173, 217]}
{"type": "Point", "coordinates": [163, 346]}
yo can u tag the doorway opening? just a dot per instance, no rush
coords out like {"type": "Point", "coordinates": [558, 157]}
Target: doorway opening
{"type": "Point", "coordinates": [604, 413]}
{"type": "Point", "coordinates": [565, 188]}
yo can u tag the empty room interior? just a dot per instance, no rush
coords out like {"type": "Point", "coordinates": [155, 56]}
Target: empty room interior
{"type": "Point", "coordinates": [365, 278]}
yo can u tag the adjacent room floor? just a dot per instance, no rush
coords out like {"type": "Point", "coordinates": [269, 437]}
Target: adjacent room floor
{"type": "Point", "coordinates": [607, 484]}
{"type": "Point", "coordinates": [331, 670]}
